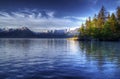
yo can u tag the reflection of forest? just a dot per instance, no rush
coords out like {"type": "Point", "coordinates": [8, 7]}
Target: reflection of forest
{"type": "Point", "coordinates": [102, 52]}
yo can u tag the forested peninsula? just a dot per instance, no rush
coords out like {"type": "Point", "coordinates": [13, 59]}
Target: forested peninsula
{"type": "Point", "coordinates": [104, 26]}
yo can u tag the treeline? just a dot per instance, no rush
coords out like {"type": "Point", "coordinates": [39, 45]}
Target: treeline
{"type": "Point", "coordinates": [103, 26]}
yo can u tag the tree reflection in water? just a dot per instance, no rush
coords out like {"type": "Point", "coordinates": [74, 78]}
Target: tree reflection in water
{"type": "Point", "coordinates": [102, 52]}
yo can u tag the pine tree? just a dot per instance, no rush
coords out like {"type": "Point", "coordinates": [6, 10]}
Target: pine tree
{"type": "Point", "coordinates": [118, 19]}
{"type": "Point", "coordinates": [102, 16]}
{"type": "Point", "coordinates": [108, 15]}
{"type": "Point", "coordinates": [113, 22]}
{"type": "Point", "coordinates": [95, 21]}
{"type": "Point", "coordinates": [88, 22]}
{"type": "Point", "coordinates": [82, 30]}
{"type": "Point", "coordinates": [118, 14]}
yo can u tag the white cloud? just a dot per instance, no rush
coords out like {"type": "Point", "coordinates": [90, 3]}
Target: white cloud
{"type": "Point", "coordinates": [37, 20]}
{"type": "Point", "coordinates": [51, 14]}
{"type": "Point", "coordinates": [82, 19]}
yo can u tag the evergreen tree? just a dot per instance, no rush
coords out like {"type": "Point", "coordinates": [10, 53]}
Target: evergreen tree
{"type": "Point", "coordinates": [102, 16]}
{"type": "Point", "coordinates": [95, 21]}
{"type": "Point", "coordinates": [118, 14]}
{"type": "Point", "coordinates": [108, 15]}
{"type": "Point", "coordinates": [82, 31]}
{"type": "Point", "coordinates": [113, 22]}
{"type": "Point", "coordinates": [118, 18]}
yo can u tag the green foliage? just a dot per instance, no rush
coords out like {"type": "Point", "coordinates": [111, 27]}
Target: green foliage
{"type": "Point", "coordinates": [102, 27]}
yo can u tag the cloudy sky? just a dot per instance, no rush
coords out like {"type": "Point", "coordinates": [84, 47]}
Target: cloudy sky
{"type": "Point", "coordinates": [50, 14]}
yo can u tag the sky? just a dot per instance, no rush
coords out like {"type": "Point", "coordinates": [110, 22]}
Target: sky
{"type": "Point", "coordinates": [50, 14]}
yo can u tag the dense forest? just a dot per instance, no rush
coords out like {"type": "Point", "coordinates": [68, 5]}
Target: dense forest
{"type": "Point", "coordinates": [104, 26]}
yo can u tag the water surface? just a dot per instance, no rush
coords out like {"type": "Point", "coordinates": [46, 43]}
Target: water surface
{"type": "Point", "coordinates": [58, 59]}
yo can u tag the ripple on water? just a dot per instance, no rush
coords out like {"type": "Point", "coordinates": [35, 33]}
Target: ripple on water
{"type": "Point", "coordinates": [58, 59]}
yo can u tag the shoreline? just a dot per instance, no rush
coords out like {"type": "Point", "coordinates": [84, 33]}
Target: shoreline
{"type": "Point", "coordinates": [78, 39]}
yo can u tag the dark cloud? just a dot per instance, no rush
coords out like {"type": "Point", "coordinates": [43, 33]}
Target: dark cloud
{"type": "Point", "coordinates": [62, 7]}
{"type": "Point", "coordinates": [74, 10]}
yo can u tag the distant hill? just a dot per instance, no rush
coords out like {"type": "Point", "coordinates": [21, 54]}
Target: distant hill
{"type": "Point", "coordinates": [24, 32]}
{"type": "Point", "coordinates": [74, 32]}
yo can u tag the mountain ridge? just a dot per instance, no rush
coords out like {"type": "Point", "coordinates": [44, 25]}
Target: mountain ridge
{"type": "Point", "coordinates": [25, 32]}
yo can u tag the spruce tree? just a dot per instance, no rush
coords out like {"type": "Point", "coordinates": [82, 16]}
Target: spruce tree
{"type": "Point", "coordinates": [102, 16]}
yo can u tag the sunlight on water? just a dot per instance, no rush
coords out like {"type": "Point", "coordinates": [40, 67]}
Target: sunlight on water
{"type": "Point", "coordinates": [74, 48]}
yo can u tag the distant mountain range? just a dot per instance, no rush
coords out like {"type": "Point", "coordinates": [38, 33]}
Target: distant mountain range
{"type": "Point", "coordinates": [24, 32]}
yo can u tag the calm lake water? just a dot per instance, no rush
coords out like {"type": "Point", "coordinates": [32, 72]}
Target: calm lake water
{"type": "Point", "coordinates": [58, 59]}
